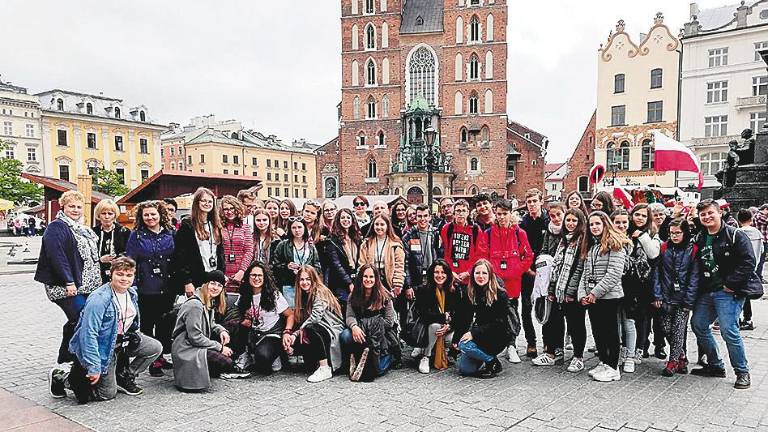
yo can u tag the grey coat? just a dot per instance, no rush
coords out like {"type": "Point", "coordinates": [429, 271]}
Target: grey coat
{"type": "Point", "coordinates": [323, 317]}
{"type": "Point", "coordinates": [191, 341]}
{"type": "Point", "coordinates": [602, 274]}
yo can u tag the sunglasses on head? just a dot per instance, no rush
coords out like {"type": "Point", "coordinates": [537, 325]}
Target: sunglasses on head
{"type": "Point", "coordinates": [295, 219]}
{"type": "Point", "coordinates": [359, 203]}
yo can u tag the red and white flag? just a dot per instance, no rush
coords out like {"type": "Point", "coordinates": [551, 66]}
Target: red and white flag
{"type": "Point", "coordinates": [671, 155]}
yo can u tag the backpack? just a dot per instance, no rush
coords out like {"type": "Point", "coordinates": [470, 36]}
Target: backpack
{"type": "Point", "coordinates": [475, 232]}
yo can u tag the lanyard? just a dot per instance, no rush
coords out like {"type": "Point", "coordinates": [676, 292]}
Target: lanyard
{"type": "Point", "coordinates": [121, 314]}
{"type": "Point", "coordinates": [380, 253]}
{"type": "Point", "coordinates": [260, 249]}
{"type": "Point", "coordinates": [231, 234]}
{"type": "Point", "coordinates": [210, 237]}
{"type": "Point", "coordinates": [303, 250]}
{"type": "Point", "coordinates": [111, 240]}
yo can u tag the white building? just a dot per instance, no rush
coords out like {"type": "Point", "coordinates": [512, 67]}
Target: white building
{"type": "Point", "coordinates": [554, 175]}
{"type": "Point", "coordinates": [723, 81]}
{"type": "Point", "coordinates": [20, 127]}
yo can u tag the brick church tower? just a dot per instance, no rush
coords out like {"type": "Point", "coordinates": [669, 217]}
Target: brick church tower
{"type": "Point", "coordinates": [410, 65]}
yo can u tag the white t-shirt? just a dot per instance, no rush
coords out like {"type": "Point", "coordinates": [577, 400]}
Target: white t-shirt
{"type": "Point", "coordinates": [126, 313]}
{"type": "Point", "coordinates": [268, 319]}
{"type": "Point", "coordinates": [207, 249]}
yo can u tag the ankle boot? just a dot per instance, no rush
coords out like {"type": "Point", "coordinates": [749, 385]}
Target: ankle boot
{"type": "Point", "coordinates": [670, 369]}
{"type": "Point", "coordinates": [682, 365]}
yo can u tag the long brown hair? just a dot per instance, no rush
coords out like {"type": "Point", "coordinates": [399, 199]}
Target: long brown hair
{"type": "Point", "coordinates": [580, 234]}
{"type": "Point", "coordinates": [650, 224]}
{"type": "Point", "coordinates": [611, 239]}
{"type": "Point", "coordinates": [378, 297]}
{"type": "Point", "coordinates": [317, 291]}
{"type": "Point", "coordinates": [165, 221]}
{"type": "Point", "coordinates": [270, 230]}
{"type": "Point", "coordinates": [198, 219]}
{"type": "Point", "coordinates": [491, 289]}
{"type": "Point", "coordinates": [282, 223]}
{"type": "Point", "coordinates": [353, 232]}
{"type": "Point", "coordinates": [390, 230]}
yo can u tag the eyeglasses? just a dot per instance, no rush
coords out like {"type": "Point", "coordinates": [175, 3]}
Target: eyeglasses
{"type": "Point", "coordinates": [228, 209]}
{"type": "Point", "coordinates": [675, 233]}
{"type": "Point", "coordinates": [329, 210]}
{"type": "Point", "coordinates": [358, 204]}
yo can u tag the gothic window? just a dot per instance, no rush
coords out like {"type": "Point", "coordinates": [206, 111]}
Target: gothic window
{"type": "Point", "coordinates": [384, 35]}
{"type": "Point", "coordinates": [354, 36]}
{"type": "Point", "coordinates": [369, 6]}
{"type": "Point", "coordinates": [370, 37]}
{"type": "Point", "coordinates": [474, 67]}
{"type": "Point", "coordinates": [422, 74]}
{"type": "Point", "coordinates": [458, 66]}
{"type": "Point", "coordinates": [361, 139]}
{"type": "Point", "coordinates": [463, 135]}
{"type": "Point", "coordinates": [458, 103]}
{"type": "Point", "coordinates": [488, 108]}
{"type": "Point", "coordinates": [459, 30]}
{"type": "Point", "coordinates": [385, 107]}
{"type": "Point", "coordinates": [370, 73]}
{"type": "Point", "coordinates": [356, 107]}
{"type": "Point", "coordinates": [474, 29]}
{"type": "Point", "coordinates": [60, 105]}
{"type": "Point", "coordinates": [355, 73]}
{"type": "Point", "coordinates": [485, 134]}
{"type": "Point", "coordinates": [89, 108]}
{"type": "Point", "coordinates": [489, 65]}
{"type": "Point", "coordinates": [473, 103]}
{"type": "Point", "coordinates": [117, 112]}
{"type": "Point", "coordinates": [385, 71]}
{"type": "Point", "coordinates": [381, 141]}
{"type": "Point", "coordinates": [371, 108]}
{"type": "Point", "coordinates": [489, 28]}
{"type": "Point", "coordinates": [372, 168]}
{"type": "Point", "coordinates": [473, 164]}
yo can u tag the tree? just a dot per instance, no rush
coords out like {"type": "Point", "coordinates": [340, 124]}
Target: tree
{"type": "Point", "coordinates": [109, 182]}
{"type": "Point", "coordinates": [12, 186]}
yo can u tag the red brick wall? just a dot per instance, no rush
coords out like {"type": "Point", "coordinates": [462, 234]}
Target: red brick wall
{"type": "Point", "coordinates": [582, 159]}
{"type": "Point", "coordinates": [529, 170]}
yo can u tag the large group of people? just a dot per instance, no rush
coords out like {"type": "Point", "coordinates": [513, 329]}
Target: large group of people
{"type": "Point", "coordinates": [245, 287]}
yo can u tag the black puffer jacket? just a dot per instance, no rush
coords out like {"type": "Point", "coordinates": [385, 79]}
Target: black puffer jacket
{"type": "Point", "coordinates": [735, 259]}
{"type": "Point", "coordinates": [676, 279]}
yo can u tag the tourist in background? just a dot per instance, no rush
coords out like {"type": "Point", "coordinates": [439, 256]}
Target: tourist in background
{"type": "Point", "coordinates": [360, 206]}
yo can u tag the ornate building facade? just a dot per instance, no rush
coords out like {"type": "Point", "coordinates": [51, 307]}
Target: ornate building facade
{"type": "Point", "coordinates": [20, 127]}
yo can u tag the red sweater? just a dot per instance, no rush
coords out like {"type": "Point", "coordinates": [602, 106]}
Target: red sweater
{"type": "Point", "coordinates": [461, 249]}
{"type": "Point", "coordinates": [238, 251]}
{"type": "Point", "coordinates": [510, 255]}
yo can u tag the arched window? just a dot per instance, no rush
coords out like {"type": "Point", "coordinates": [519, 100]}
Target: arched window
{"type": "Point", "coordinates": [356, 107]}
{"type": "Point", "coordinates": [458, 103]}
{"type": "Point", "coordinates": [485, 134]}
{"type": "Point", "coordinates": [473, 164]}
{"type": "Point", "coordinates": [623, 156]}
{"type": "Point", "coordinates": [458, 66]}
{"type": "Point", "coordinates": [369, 6]}
{"type": "Point", "coordinates": [372, 171]}
{"type": "Point", "coordinates": [117, 112]}
{"type": "Point", "coordinates": [370, 73]}
{"type": "Point", "coordinates": [421, 74]}
{"type": "Point", "coordinates": [489, 27]}
{"type": "Point", "coordinates": [361, 139]}
{"type": "Point", "coordinates": [618, 83]}
{"type": "Point", "coordinates": [463, 135]}
{"type": "Point", "coordinates": [384, 35]}
{"type": "Point", "coordinates": [371, 114]}
{"type": "Point", "coordinates": [474, 29]}
{"type": "Point", "coordinates": [142, 116]}
{"type": "Point", "coordinates": [385, 71]}
{"type": "Point", "coordinates": [60, 104]}
{"type": "Point", "coordinates": [381, 141]}
{"type": "Point", "coordinates": [473, 103]}
{"type": "Point", "coordinates": [473, 190]}
{"type": "Point", "coordinates": [647, 154]}
{"type": "Point", "coordinates": [370, 37]}
{"type": "Point", "coordinates": [89, 108]}
{"type": "Point", "coordinates": [656, 78]}
{"type": "Point", "coordinates": [459, 30]}
{"type": "Point", "coordinates": [488, 102]}
{"type": "Point", "coordinates": [489, 65]}
{"type": "Point", "coordinates": [385, 107]}
{"type": "Point", "coordinates": [474, 67]}
{"type": "Point", "coordinates": [355, 73]}
{"type": "Point", "coordinates": [610, 155]}
{"type": "Point", "coordinates": [355, 35]}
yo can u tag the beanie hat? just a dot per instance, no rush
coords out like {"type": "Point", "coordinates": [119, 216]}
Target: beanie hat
{"type": "Point", "coordinates": [215, 276]}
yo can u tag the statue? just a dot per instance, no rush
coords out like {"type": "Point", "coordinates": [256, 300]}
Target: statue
{"type": "Point", "coordinates": [727, 175]}
{"type": "Point", "coordinates": [746, 150]}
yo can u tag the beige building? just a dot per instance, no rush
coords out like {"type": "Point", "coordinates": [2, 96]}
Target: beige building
{"type": "Point", "coordinates": [20, 127]}
{"type": "Point", "coordinates": [637, 94]}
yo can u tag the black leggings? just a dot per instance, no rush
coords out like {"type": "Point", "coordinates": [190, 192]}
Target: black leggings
{"type": "Point", "coordinates": [154, 323]}
{"type": "Point", "coordinates": [604, 316]}
{"type": "Point", "coordinates": [553, 331]}
{"type": "Point", "coordinates": [264, 354]}
{"type": "Point", "coordinates": [316, 346]}
{"type": "Point", "coordinates": [525, 315]}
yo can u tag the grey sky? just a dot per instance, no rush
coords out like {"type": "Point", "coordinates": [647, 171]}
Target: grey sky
{"type": "Point", "coordinates": [275, 65]}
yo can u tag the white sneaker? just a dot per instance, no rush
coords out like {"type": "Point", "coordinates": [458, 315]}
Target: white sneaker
{"type": "Point", "coordinates": [424, 365]}
{"type": "Point", "coordinates": [321, 374]}
{"type": "Point", "coordinates": [629, 365]}
{"type": "Point", "coordinates": [417, 352]}
{"type": "Point", "coordinates": [622, 355]}
{"type": "Point", "coordinates": [638, 356]}
{"type": "Point", "coordinates": [577, 365]}
{"type": "Point", "coordinates": [543, 360]}
{"type": "Point", "coordinates": [512, 355]}
{"type": "Point", "coordinates": [597, 369]}
{"type": "Point", "coordinates": [277, 365]}
{"type": "Point", "coordinates": [607, 375]}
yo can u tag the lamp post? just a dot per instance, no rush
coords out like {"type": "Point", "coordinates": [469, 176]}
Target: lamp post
{"type": "Point", "coordinates": [614, 171]}
{"type": "Point", "coordinates": [429, 136]}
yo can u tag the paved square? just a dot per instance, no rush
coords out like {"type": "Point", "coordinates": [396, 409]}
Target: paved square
{"type": "Point", "coordinates": [522, 398]}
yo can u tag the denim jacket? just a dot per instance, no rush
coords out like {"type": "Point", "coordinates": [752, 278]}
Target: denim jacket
{"type": "Point", "coordinates": [96, 333]}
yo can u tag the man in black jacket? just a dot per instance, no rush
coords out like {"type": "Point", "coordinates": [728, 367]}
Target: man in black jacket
{"type": "Point", "coordinates": [535, 224]}
{"type": "Point", "coordinates": [728, 277]}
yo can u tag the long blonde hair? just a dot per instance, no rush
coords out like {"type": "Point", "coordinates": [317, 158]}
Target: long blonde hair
{"type": "Point", "coordinates": [491, 290]}
{"type": "Point", "coordinates": [197, 216]}
{"type": "Point", "coordinates": [317, 291]}
{"type": "Point", "coordinates": [611, 239]}
{"type": "Point", "coordinates": [207, 300]}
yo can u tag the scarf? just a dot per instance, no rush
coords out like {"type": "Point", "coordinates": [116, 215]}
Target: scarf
{"type": "Point", "coordinates": [441, 359]}
{"type": "Point", "coordinates": [555, 229]}
{"type": "Point", "coordinates": [85, 237]}
{"type": "Point", "coordinates": [564, 259]}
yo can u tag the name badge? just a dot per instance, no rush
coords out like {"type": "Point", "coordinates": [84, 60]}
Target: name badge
{"type": "Point", "coordinates": [415, 247]}
{"type": "Point", "coordinates": [503, 265]}
{"type": "Point", "coordinates": [231, 257]}
{"type": "Point", "coordinates": [455, 263]}
{"type": "Point", "coordinates": [707, 274]}
{"type": "Point", "coordinates": [212, 262]}
{"type": "Point", "coordinates": [423, 273]}
{"type": "Point", "coordinates": [156, 270]}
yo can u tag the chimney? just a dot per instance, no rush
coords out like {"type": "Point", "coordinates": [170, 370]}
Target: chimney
{"type": "Point", "coordinates": [741, 15]}
{"type": "Point", "coordinates": [694, 11]}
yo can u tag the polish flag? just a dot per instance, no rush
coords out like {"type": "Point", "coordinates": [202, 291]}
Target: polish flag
{"type": "Point", "coordinates": [671, 155]}
{"type": "Point", "coordinates": [622, 195]}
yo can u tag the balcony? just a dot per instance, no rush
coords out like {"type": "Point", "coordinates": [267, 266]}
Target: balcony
{"type": "Point", "coordinates": [750, 102]}
{"type": "Point", "coordinates": [713, 141]}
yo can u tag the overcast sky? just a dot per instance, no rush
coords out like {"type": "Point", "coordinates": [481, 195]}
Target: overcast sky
{"type": "Point", "coordinates": [275, 65]}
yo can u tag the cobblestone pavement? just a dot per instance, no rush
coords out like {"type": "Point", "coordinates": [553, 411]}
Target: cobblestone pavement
{"type": "Point", "coordinates": [524, 397]}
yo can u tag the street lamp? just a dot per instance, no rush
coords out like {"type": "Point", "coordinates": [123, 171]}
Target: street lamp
{"type": "Point", "coordinates": [614, 171]}
{"type": "Point", "coordinates": [429, 136]}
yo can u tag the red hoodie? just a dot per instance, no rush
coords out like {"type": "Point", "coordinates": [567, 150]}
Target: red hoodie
{"type": "Point", "coordinates": [510, 255]}
{"type": "Point", "coordinates": [461, 249]}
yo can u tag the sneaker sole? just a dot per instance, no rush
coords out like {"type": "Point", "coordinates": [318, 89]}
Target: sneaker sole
{"type": "Point", "coordinates": [121, 389]}
{"type": "Point", "coordinates": [607, 380]}
{"type": "Point", "coordinates": [50, 384]}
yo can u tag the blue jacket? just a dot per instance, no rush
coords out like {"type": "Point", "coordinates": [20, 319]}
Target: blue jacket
{"type": "Point", "coordinates": [677, 265]}
{"type": "Point", "coordinates": [96, 333]}
{"type": "Point", "coordinates": [151, 251]}
{"type": "Point", "coordinates": [59, 262]}
{"type": "Point", "coordinates": [414, 256]}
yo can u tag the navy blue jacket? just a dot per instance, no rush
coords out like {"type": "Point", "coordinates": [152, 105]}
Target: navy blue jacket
{"type": "Point", "coordinates": [677, 265]}
{"type": "Point", "coordinates": [152, 253]}
{"type": "Point", "coordinates": [414, 256]}
{"type": "Point", "coordinates": [59, 262]}
{"type": "Point", "coordinates": [735, 260]}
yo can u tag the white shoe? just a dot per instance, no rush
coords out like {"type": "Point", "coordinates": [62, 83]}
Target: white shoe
{"type": "Point", "coordinates": [424, 365]}
{"type": "Point", "coordinates": [512, 355]}
{"type": "Point", "coordinates": [629, 365]}
{"type": "Point", "coordinates": [277, 365]}
{"type": "Point", "coordinates": [597, 369]}
{"type": "Point", "coordinates": [638, 356]}
{"type": "Point", "coordinates": [543, 360]}
{"type": "Point", "coordinates": [321, 374]}
{"type": "Point", "coordinates": [622, 355]}
{"type": "Point", "coordinates": [417, 352]}
{"type": "Point", "coordinates": [607, 375]}
{"type": "Point", "coordinates": [577, 365]}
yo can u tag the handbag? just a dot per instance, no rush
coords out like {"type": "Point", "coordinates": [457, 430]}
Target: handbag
{"type": "Point", "coordinates": [415, 330]}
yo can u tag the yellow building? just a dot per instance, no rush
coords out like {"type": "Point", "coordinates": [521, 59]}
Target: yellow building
{"type": "Point", "coordinates": [636, 95]}
{"type": "Point", "coordinates": [82, 132]}
{"type": "Point", "coordinates": [286, 170]}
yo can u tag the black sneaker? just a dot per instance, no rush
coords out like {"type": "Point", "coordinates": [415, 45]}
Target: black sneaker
{"type": "Point", "coordinates": [742, 381]}
{"type": "Point", "coordinates": [646, 354]}
{"type": "Point", "coordinates": [709, 372]}
{"type": "Point", "coordinates": [660, 353]}
{"type": "Point", "coordinates": [747, 325]}
{"type": "Point", "coordinates": [128, 386]}
{"type": "Point", "coordinates": [56, 386]}
{"type": "Point", "coordinates": [490, 369]}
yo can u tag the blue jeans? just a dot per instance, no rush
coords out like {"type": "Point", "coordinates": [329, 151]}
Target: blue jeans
{"type": "Point", "coordinates": [348, 344]}
{"type": "Point", "coordinates": [472, 357]}
{"type": "Point", "coordinates": [71, 307]}
{"type": "Point", "coordinates": [289, 292]}
{"type": "Point", "coordinates": [726, 308]}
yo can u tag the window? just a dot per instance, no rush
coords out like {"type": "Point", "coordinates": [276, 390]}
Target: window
{"type": "Point", "coordinates": [485, 134]}
{"type": "Point", "coordinates": [121, 173]}
{"type": "Point", "coordinates": [458, 103]}
{"type": "Point", "coordinates": [421, 75]}
{"type": "Point", "coordinates": [64, 172]}
{"type": "Point", "coordinates": [295, 193]}
{"type": "Point", "coordinates": [91, 140]}
{"type": "Point", "coordinates": [255, 174]}
{"type": "Point", "coordinates": [459, 30]}
{"type": "Point", "coordinates": [717, 92]}
{"type": "Point", "coordinates": [716, 126]}
{"type": "Point", "coordinates": [381, 142]}
{"type": "Point", "coordinates": [385, 71]}
{"type": "Point", "coordinates": [647, 155]}
{"type": "Point", "coordinates": [296, 166]}
{"type": "Point", "coordinates": [161, 151]}
{"type": "Point", "coordinates": [117, 112]}
{"type": "Point", "coordinates": [718, 57]}
{"type": "Point", "coordinates": [370, 37]}
{"type": "Point", "coordinates": [583, 184]}
{"type": "Point", "coordinates": [226, 171]}
{"type": "Point", "coordinates": [361, 140]}
{"type": "Point", "coordinates": [7, 128]}
{"type": "Point", "coordinates": [119, 143]}
{"type": "Point", "coordinates": [712, 162]}
{"type": "Point", "coordinates": [618, 83]}
{"type": "Point", "coordinates": [143, 147]}
{"type": "Point", "coordinates": [304, 193]}
{"type": "Point", "coordinates": [89, 108]}
{"type": "Point", "coordinates": [371, 104]}
{"type": "Point", "coordinates": [474, 2]}
{"type": "Point", "coordinates": [372, 168]}
{"type": "Point", "coordinates": [235, 160]}
{"type": "Point", "coordinates": [385, 107]}
{"type": "Point", "coordinates": [474, 68]}
{"type": "Point", "coordinates": [473, 164]}
{"type": "Point", "coordinates": [295, 178]}
{"type": "Point", "coordinates": [355, 73]}
{"type": "Point", "coordinates": [144, 174]}
{"type": "Point", "coordinates": [355, 109]}
{"type": "Point", "coordinates": [473, 103]}
{"type": "Point", "coordinates": [655, 111]}
{"type": "Point", "coordinates": [173, 166]}
{"type": "Point", "coordinates": [618, 115]}
{"type": "Point", "coordinates": [254, 162]}
{"type": "Point", "coordinates": [622, 156]}
{"type": "Point", "coordinates": [285, 165]}
{"type": "Point", "coordinates": [269, 176]}
{"type": "Point", "coordinates": [463, 135]}
{"type": "Point", "coordinates": [656, 78]}
{"type": "Point", "coordinates": [142, 117]}
{"type": "Point", "coordinates": [31, 154]}
{"type": "Point", "coordinates": [370, 73]}
{"type": "Point", "coordinates": [189, 160]}
{"type": "Point", "coordinates": [62, 137]}
{"type": "Point", "coordinates": [759, 85]}
{"type": "Point", "coordinates": [303, 166]}
{"type": "Point", "coordinates": [489, 65]}
{"type": "Point", "coordinates": [489, 28]}
{"type": "Point", "coordinates": [202, 158]}
{"type": "Point", "coordinates": [760, 46]}
{"type": "Point", "coordinates": [9, 153]}
{"type": "Point", "coordinates": [30, 131]}
{"type": "Point", "coordinates": [224, 159]}
{"type": "Point", "coordinates": [355, 32]}
{"type": "Point", "coordinates": [285, 178]}
{"type": "Point", "coordinates": [269, 163]}
{"type": "Point", "coordinates": [757, 121]}
{"type": "Point", "coordinates": [285, 190]}
{"type": "Point", "coordinates": [369, 6]}
{"type": "Point", "coordinates": [60, 107]}
{"type": "Point", "coordinates": [303, 179]}
{"type": "Point", "coordinates": [474, 29]}
{"type": "Point", "coordinates": [488, 102]}
{"type": "Point", "coordinates": [384, 35]}
{"type": "Point", "coordinates": [269, 191]}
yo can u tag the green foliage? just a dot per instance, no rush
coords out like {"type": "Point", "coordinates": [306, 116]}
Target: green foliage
{"type": "Point", "coordinates": [12, 186]}
{"type": "Point", "coordinates": [109, 182]}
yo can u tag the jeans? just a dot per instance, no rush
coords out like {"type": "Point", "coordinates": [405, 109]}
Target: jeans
{"type": "Point", "coordinates": [726, 308]}
{"type": "Point", "coordinates": [604, 315]}
{"type": "Point", "coordinates": [471, 358]}
{"type": "Point", "coordinates": [71, 307]}
{"type": "Point", "coordinates": [629, 331]}
{"type": "Point", "coordinates": [348, 345]}
{"type": "Point", "coordinates": [527, 319]}
{"type": "Point", "coordinates": [289, 292]}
